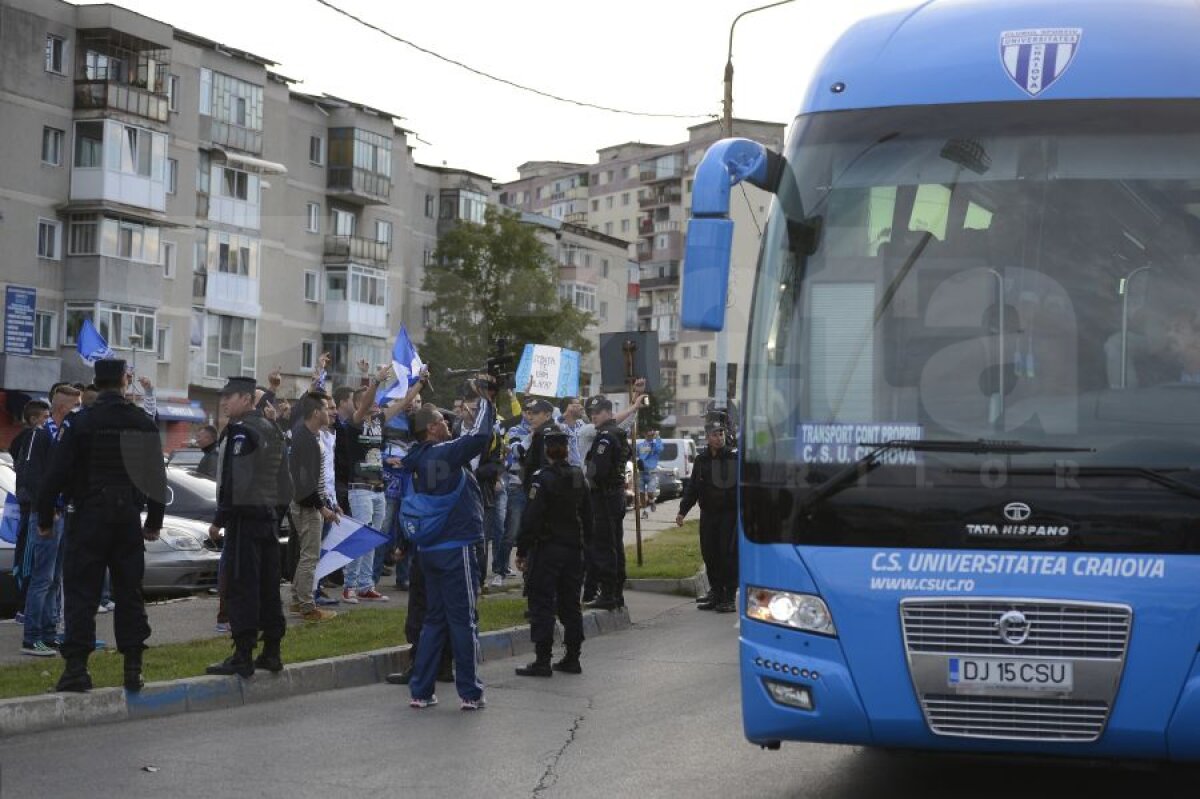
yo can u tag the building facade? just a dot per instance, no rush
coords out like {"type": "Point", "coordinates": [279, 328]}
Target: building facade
{"type": "Point", "coordinates": [642, 193]}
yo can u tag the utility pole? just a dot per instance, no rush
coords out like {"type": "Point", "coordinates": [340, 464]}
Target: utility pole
{"type": "Point", "coordinates": [720, 390]}
{"type": "Point", "coordinates": [630, 350]}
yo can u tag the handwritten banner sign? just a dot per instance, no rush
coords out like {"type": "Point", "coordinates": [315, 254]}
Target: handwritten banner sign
{"type": "Point", "coordinates": [553, 370]}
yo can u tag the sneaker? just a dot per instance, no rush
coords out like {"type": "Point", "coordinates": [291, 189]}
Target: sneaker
{"type": "Point", "coordinates": [497, 581]}
{"type": "Point", "coordinates": [349, 597]}
{"type": "Point", "coordinates": [325, 601]}
{"type": "Point", "coordinates": [473, 704]}
{"type": "Point", "coordinates": [371, 595]}
{"type": "Point", "coordinates": [108, 606]}
{"type": "Point", "coordinates": [38, 650]}
{"type": "Point", "coordinates": [223, 627]}
{"type": "Point", "coordinates": [422, 703]}
{"type": "Point", "coordinates": [317, 614]}
{"type": "Point", "coordinates": [295, 608]}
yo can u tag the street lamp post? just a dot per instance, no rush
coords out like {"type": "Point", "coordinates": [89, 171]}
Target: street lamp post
{"type": "Point", "coordinates": [720, 390]}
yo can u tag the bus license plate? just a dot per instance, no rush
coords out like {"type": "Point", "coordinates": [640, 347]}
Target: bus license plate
{"type": "Point", "coordinates": [1027, 675]}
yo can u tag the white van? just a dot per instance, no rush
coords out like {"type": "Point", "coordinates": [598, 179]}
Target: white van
{"type": "Point", "coordinates": [678, 455]}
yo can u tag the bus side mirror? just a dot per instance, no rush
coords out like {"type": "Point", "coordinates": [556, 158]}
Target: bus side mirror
{"type": "Point", "coordinates": [706, 273]}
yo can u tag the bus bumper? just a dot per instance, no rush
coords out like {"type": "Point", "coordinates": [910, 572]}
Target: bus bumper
{"type": "Point", "coordinates": [800, 663]}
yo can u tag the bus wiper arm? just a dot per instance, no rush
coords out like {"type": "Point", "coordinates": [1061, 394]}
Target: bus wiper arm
{"type": "Point", "coordinates": [850, 474]}
{"type": "Point", "coordinates": [1153, 475]}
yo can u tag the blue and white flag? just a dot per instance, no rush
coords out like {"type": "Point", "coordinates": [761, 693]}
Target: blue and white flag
{"type": "Point", "coordinates": [348, 540]}
{"type": "Point", "coordinates": [91, 345]}
{"type": "Point", "coordinates": [10, 525]}
{"type": "Point", "coordinates": [407, 365]}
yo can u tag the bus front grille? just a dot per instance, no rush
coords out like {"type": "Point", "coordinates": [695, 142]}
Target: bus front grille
{"type": "Point", "coordinates": [1015, 718]}
{"type": "Point", "coordinates": [1056, 629]}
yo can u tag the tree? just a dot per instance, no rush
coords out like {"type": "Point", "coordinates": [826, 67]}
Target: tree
{"type": "Point", "coordinates": [491, 281]}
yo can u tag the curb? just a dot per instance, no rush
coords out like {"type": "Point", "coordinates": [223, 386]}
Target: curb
{"type": "Point", "coordinates": [28, 714]}
{"type": "Point", "coordinates": [696, 585]}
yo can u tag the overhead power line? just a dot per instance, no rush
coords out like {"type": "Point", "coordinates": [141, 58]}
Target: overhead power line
{"type": "Point", "coordinates": [505, 81]}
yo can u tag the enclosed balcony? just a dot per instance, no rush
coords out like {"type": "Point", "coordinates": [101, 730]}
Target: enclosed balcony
{"type": "Point", "coordinates": [360, 166]}
{"type": "Point", "coordinates": [117, 71]}
{"type": "Point", "coordinates": [355, 301]}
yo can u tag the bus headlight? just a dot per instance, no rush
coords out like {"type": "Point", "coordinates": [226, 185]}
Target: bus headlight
{"type": "Point", "coordinates": [798, 611]}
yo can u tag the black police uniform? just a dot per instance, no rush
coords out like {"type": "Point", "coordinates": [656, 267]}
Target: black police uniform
{"type": "Point", "coordinates": [109, 463]}
{"type": "Point", "coordinates": [555, 527]}
{"type": "Point", "coordinates": [606, 472]}
{"type": "Point", "coordinates": [535, 458]}
{"type": "Point", "coordinates": [253, 481]}
{"type": "Point", "coordinates": [714, 485]}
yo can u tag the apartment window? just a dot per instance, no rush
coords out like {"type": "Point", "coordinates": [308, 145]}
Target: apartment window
{"type": "Point", "coordinates": [627, 171]}
{"type": "Point", "coordinates": [686, 380]}
{"type": "Point", "coordinates": [312, 288]}
{"type": "Point", "coordinates": [172, 175]}
{"type": "Point", "coordinates": [704, 378]}
{"type": "Point", "coordinates": [118, 324]}
{"type": "Point", "coordinates": [239, 111]}
{"type": "Point", "coordinates": [169, 257]}
{"type": "Point", "coordinates": [581, 296]}
{"type": "Point", "coordinates": [608, 201]}
{"type": "Point", "coordinates": [608, 228]}
{"type": "Point", "coordinates": [430, 201]}
{"type": "Point", "coordinates": [661, 242]}
{"type": "Point", "coordinates": [45, 329]}
{"type": "Point", "coordinates": [604, 267]}
{"type": "Point", "coordinates": [308, 355]}
{"type": "Point", "coordinates": [52, 146]}
{"type": "Point", "coordinates": [683, 408]}
{"type": "Point", "coordinates": [134, 241]}
{"type": "Point", "coordinates": [56, 54]}
{"type": "Point", "coordinates": [687, 353]}
{"type": "Point", "coordinates": [608, 176]}
{"type": "Point", "coordinates": [235, 184]}
{"type": "Point", "coordinates": [314, 217]}
{"type": "Point", "coordinates": [428, 257]}
{"type": "Point", "coordinates": [162, 344]}
{"type": "Point", "coordinates": [624, 225]}
{"type": "Point", "coordinates": [703, 350]}
{"type": "Point", "coordinates": [89, 145]}
{"type": "Point", "coordinates": [49, 239]}
{"type": "Point", "coordinates": [137, 151]}
{"type": "Point", "coordinates": [595, 205]}
{"type": "Point", "coordinates": [343, 223]}
{"type": "Point", "coordinates": [625, 198]}
{"type": "Point", "coordinates": [383, 232]}
{"type": "Point", "coordinates": [173, 93]}
{"type": "Point", "coordinates": [84, 237]}
{"type": "Point", "coordinates": [236, 255]}
{"type": "Point", "coordinates": [368, 288]}
{"type": "Point", "coordinates": [316, 150]}
{"type": "Point", "coordinates": [230, 346]}
{"type": "Point", "coordinates": [603, 311]}
{"type": "Point", "coordinates": [203, 172]}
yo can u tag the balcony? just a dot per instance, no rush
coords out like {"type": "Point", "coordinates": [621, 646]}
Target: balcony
{"type": "Point", "coordinates": [111, 95]}
{"type": "Point", "coordinates": [343, 316]}
{"type": "Point", "coordinates": [645, 311]}
{"type": "Point", "coordinates": [359, 185]}
{"type": "Point", "coordinates": [109, 279]}
{"type": "Point", "coordinates": [670, 280]}
{"type": "Point", "coordinates": [645, 227]}
{"type": "Point", "coordinates": [227, 134]}
{"type": "Point", "coordinates": [669, 196]}
{"type": "Point", "coordinates": [576, 218]}
{"type": "Point", "coordinates": [340, 249]}
{"type": "Point", "coordinates": [236, 295]}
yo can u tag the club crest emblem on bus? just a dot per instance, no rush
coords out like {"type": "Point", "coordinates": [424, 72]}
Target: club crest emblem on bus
{"type": "Point", "coordinates": [1036, 58]}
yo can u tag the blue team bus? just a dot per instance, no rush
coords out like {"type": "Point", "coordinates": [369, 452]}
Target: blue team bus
{"type": "Point", "coordinates": [969, 497]}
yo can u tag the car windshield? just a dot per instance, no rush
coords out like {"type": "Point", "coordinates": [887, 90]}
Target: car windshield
{"type": "Point", "coordinates": [190, 496]}
{"type": "Point", "coordinates": [1018, 271]}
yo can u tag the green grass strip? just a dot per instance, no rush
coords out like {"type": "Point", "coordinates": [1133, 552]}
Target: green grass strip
{"type": "Point", "coordinates": [351, 632]}
{"type": "Point", "coordinates": [672, 554]}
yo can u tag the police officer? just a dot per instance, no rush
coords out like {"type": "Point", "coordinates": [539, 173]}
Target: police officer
{"type": "Point", "coordinates": [252, 482]}
{"type": "Point", "coordinates": [714, 485]}
{"type": "Point", "coordinates": [605, 464]}
{"type": "Point", "coordinates": [539, 415]}
{"type": "Point", "coordinates": [556, 526]}
{"type": "Point", "coordinates": [109, 463]}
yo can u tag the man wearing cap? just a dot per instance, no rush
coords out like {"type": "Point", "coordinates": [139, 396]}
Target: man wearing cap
{"type": "Point", "coordinates": [606, 473]}
{"type": "Point", "coordinates": [713, 484]}
{"type": "Point", "coordinates": [253, 481]}
{"type": "Point", "coordinates": [556, 526]}
{"type": "Point", "coordinates": [109, 463]}
{"type": "Point", "coordinates": [441, 467]}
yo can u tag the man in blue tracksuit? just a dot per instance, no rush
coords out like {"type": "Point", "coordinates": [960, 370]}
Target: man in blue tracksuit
{"type": "Point", "coordinates": [442, 467]}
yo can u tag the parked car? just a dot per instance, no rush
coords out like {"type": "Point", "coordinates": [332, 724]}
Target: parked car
{"type": "Point", "coordinates": [678, 455]}
{"type": "Point", "coordinates": [186, 457]}
{"type": "Point", "coordinates": [670, 485]}
{"type": "Point", "coordinates": [179, 562]}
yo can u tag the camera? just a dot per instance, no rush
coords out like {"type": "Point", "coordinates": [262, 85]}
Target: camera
{"type": "Point", "coordinates": [499, 364]}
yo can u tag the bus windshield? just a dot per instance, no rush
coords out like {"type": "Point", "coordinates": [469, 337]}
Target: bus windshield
{"type": "Point", "coordinates": [1018, 272]}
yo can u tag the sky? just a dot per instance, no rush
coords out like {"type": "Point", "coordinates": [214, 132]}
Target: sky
{"type": "Point", "coordinates": [663, 56]}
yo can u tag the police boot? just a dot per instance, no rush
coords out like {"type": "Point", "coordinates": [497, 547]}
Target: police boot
{"type": "Point", "coordinates": [75, 677]}
{"type": "Point", "coordinates": [400, 677]}
{"type": "Point", "coordinates": [270, 658]}
{"type": "Point", "coordinates": [589, 593]}
{"type": "Point", "coordinates": [541, 666]}
{"type": "Point", "coordinates": [710, 600]}
{"type": "Point", "coordinates": [726, 604]}
{"type": "Point", "coordinates": [606, 600]}
{"type": "Point", "coordinates": [133, 670]}
{"type": "Point", "coordinates": [706, 597]}
{"type": "Point", "coordinates": [570, 661]}
{"type": "Point", "coordinates": [241, 662]}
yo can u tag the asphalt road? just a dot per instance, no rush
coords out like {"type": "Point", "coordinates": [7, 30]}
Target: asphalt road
{"type": "Point", "coordinates": [655, 714]}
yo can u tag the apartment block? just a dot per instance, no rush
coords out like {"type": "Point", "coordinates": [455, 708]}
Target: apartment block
{"type": "Point", "coordinates": [642, 193]}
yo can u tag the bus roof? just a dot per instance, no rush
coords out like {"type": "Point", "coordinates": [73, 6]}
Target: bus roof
{"type": "Point", "coordinates": [968, 51]}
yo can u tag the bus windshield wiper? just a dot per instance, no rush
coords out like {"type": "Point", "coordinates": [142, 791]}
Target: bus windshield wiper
{"type": "Point", "coordinates": [1157, 476]}
{"type": "Point", "coordinates": [850, 474]}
